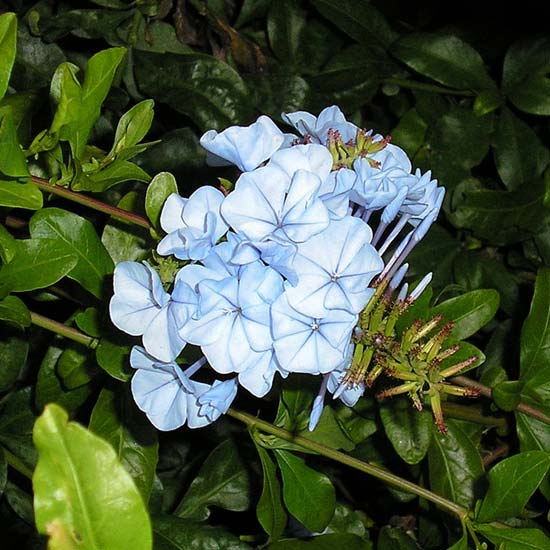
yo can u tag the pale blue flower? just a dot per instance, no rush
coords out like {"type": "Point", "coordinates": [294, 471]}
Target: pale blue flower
{"type": "Point", "coordinates": [311, 157]}
{"type": "Point", "coordinates": [316, 128]}
{"type": "Point", "coordinates": [140, 307]}
{"type": "Point", "coordinates": [215, 401]}
{"type": "Point", "coordinates": [245, 146]}
{"type": "Point", "coordinates": [306, 344]}
{"type": "Point", "coordinates": [336, 192]}
{"type": "Point", "coordinates": [268, 203]}
{"type": "Point", "coordinates": [335, 269]}
{"type": "Point", "coordinates": [194, 225]}
{"type": "Point", "coordinates": [233, 323]}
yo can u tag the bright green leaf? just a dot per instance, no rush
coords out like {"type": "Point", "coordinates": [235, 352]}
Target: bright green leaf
{"type": "Point", "coordinates": [76, 482]}
{"type": "Point", "coordinates": [14, 310]}
{"type": "Point", "coordinates": [270, 510]}
{"type": "Point", "coordinates": [469, 312]}
{"type": "Point", "coordinates": [38, 263]}
{"type": "Point", "coordinates": [116, 419]}
{"type": "Point", "coordinates": [222, 481]}
{"type": "Point", "coordinates": [117, 172]}
{"type": "Point", "coordinates": [8, 245]}
{"type": "Point", "coordinates": [20, 195]}
{"type": "Point", "coordinates": [520, 156]}
{"type": "Point", "coordinates": [409, 430]}
{"type": "Point", "coordinates": [308, 495]}
{"type": "Point", "coordinates": [8, 39]}
{"type": "Point", "coordinates": [78, 237]}
{"type": "Point", "coordinates": [515, 539]}
{"type": "Point", "coordinates": [444, 58]}
{"type": "Point", "coordinates": [454, 465]}
{"type": "Point", "coordinates": [160, 188]}
{"type": "Point", "coordinates": [133, 126]}
{"type": "Point", "coordinates": [13, 163]}
{"type": "Point", "coordinates": [511, 483]}
{"type": "Point", "coordinates": [525, 75]}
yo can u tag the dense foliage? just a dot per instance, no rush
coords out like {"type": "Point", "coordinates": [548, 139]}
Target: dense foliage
{"type": "Point", "coordinates": [101, 111]}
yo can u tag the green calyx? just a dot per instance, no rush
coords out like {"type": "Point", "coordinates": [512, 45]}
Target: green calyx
{"type": "Point", "coordinates": [345, 154]}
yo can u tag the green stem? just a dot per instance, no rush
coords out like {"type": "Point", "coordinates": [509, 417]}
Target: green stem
{"type": "Point", "coordinates": [472, 414]}
{"type": "Point", "coordinates": [488, 392]}
{"type": "Point", "coordinates": [63, 330]}
{"type": "Point", "coordinates": [365, 467]}
{"type": "Point", "coordinates": [100, 206]}
{"type": "Point", "coordinates": [17, 464]}
{"type": "Point", "coordinates": [425, 87]}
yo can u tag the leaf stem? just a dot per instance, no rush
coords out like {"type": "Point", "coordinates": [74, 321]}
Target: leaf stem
{"type": "Point", "coordinates": [521, 407]}
{"type": "Point", "coordinates": [342, 458]}
{"type": "Point", "coordinates": [63, 330]}
{"type": "Point", "coordinates": [90, 202]}
{"type": "Point", "coordinates": [472, 414]}
{"type": "Point", "coordinates": [424, 86]}
{"type": "Point", "coordinates": [17, 464]}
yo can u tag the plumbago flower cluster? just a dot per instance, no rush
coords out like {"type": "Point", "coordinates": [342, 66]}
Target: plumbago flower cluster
{"type": "Point", "coordinates": [284, 274]}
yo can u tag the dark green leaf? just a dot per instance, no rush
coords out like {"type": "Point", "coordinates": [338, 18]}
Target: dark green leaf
{"type": "Point", "coordinates": [38, 263]}
{"type": "Point", "coordinates": [515, 539]}
{"type": "Point", "coordinates": [285, 25]}
{"type": "Point", "coordinates": [160, 188]}
{"type": "Point", "coordinates": [159, 37]}
{"type": "Point", "coordinates": [409, 431]}
{"type": "Point", "coordinates": [76, 481]}
{"type": "Point", "coordinates": [13, 310]}
{"type": "Point", "coordinates": [222, 481]}
{"type": "Point", "coordinates": [173, 533]}
{"type": "Point", "coordinates": [520, 156]}
{"type": "Point", "coordinates": [124, 241]}
{"type": "Point", "coordinates": [444, 58]}
{"type": "Point", "coordinates": [13, 163]}
{"type": "Point", "coordinates": [469, 312]}
{"type": "Point", "coordinates": [487, 102]}
{"type": "Point", "coordinates": [116, 419]}
{"type": "Point", "coordinates": [79, 238]}
{"type": "Point", "coordinates": [409, 134]}
{"type": "Point", "coordinates": [308, 495]}
{"type": "Point", "coordinates": [507, 394]}
{"type": "Point", "coordinates": [269, 510]}
{"type": "Point", "coordinates": [512, 482]}
{"type": "Point", "coordinates": [324, 542]}
{"type": "Point", "coordinates": [114, 359]}
{"type": "Point", "coordinates": [330, 432]}
{"type": "Point", "coordinates": [89, 321]}
{"type": "Point", "coordinates": [199, 86]}
{"type": "Point", "coordinates": [49, 387]}
{"type": "Point", "coordinates": [535, 334]}
{"type": "Point", "coordinates": [75, 366]}
{"type": "Point", "coordinates": [116, 172]}
{"type": "Point", "coordinates": [3, 472]}
{"type": "Point", "coordinates": [8, 245]}
{"type": "Point", "coordinates": [454, 465]}
{"type": "Point", "coordinates": [525, 75]}
{"type": "Point", "coordinates": [392, 538]}
{"type": "Point", "coordinates": [359, 19]}
{"type": "Point", "coordinates": [356, 422]}
{"type": "Point", "coordinates": [14, 348]}
{"type": "Point", "coordinates": [8, 38]}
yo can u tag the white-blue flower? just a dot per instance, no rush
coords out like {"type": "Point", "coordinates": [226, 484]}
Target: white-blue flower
{"type": "Point", "coordinates": [141, 307]}
{"type": "Point", "coordinates": [307, 344]}
{"type": "Point", "coordinates": [334, 269]}
{"type": "Point", "coordinates": [170, 399]}
{"type": "Point", "coordinates": [245, 146]}
{"type": "Point", "coordinates": [194, 225]}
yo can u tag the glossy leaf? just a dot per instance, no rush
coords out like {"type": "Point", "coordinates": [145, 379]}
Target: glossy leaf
{"type": "Point", "coordinates": [525, 75]}
{"type": "Point", "coordinates": [14, 348]}
{"type": "Point", "coordinates": [358, 19]}
{"type": "Point", "coordinates": [331, 541]}
{"type": "Point", "coordinates": [308, 495]}
{"type": "Point", "coordinates": [160, 188]}
{"type": "Point", "coordinates": [515, 539]}
{"type": "Point", "coordinates": [117, 172]}
{"type": "Point", "coordinates": [38, 263]}
{"type": "Point", "coordinates": [76, 481]}
{"type": "Point", "coordinates": [392, 538]}
{"type": "Point", "coordinates": [445, 58]}
{"type": "Point", "coordinates": [78, 236]}
{"type": "Point", "coordinates": [205, 89]}
{"type": "Point", "coordinates": [511, 484]}
{"type": "Point", "coordinates": [133, 126]}
{"type": "Point", "coordinates": [520, 156]}
{"type": "Point", "coordinates": [409, 430]}
{"type": "Point", "coordinates": [13, 163]}
{"type": "Point", "coordinates": [222, 481]}
{"type": "Point", "coordinates": [173, 533]}
{"type": "Point", "coordinates": [454, 465]}
{"type": "Point", "coordinates": [116, 419]}
{"type": "Point", "coordinates": [75, 366]}
{"type": "Point", "coordinates": [8, 245]}
{"type": "Point", "coordinates": [270, 510]}
{"type": "Point", "coordinates": [469, 312]}
{"type": "Point", "coordinates": [113, 358]}
{"type": "Point", "coordinates": [535, 334]}
{"type": "Point", "coordinates": [285, 24]}
{"type": "Point", "coordinates": [8, 36]}
{"type": "Point", "coordinates": [20, 195]}
{"type": "Point", "coordinates": [14, 310]}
